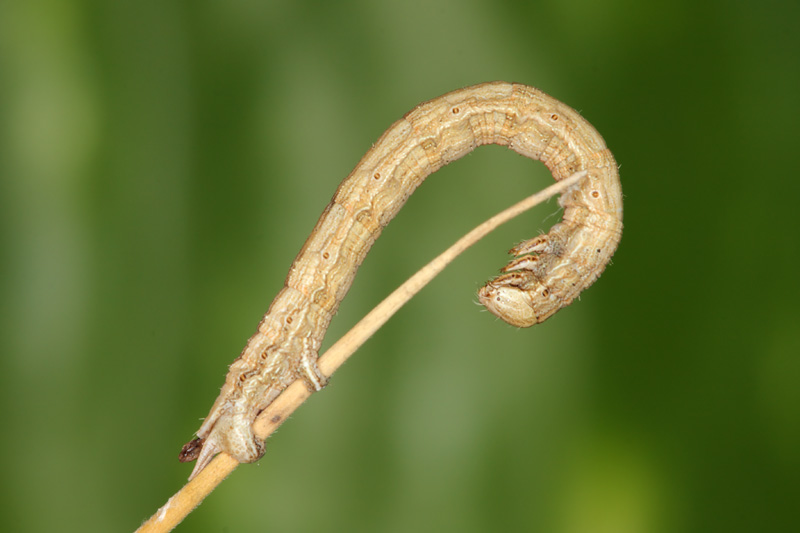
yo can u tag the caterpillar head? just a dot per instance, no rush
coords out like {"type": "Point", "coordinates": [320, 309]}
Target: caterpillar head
{"type": "Point", "coordinates": [512, 304]}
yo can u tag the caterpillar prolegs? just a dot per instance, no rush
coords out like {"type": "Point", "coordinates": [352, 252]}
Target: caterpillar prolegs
{"type": "Point", "coordinates": [548, 272]}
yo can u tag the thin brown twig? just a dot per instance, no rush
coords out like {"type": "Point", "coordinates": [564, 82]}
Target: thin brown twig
{"type": "Point", "coordinates": [195, 491]}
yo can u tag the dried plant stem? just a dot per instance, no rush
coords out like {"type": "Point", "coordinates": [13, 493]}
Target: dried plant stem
{"type": "Point", "coordinates": [195, 491]}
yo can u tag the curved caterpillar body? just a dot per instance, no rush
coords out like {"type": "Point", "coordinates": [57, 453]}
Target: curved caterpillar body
{"type": "Point", "coordinates": [547, 274]}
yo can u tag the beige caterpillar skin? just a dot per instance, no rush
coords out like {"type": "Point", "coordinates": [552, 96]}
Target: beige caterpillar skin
{"type": "Point", "coordinates": [548, 273]}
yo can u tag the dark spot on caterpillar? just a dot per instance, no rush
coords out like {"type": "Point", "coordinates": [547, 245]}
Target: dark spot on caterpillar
{"type": "Point", "coordinates": [326, 255]}
{"type": "Point", "coordinates": [191, 450]}
{"type": "Point", "coordinates": [545, 293]}
{"type": "Point", "coordinates": [456, 111]}
{"type": "Point", "coordinates": [377, 175]}
{"type": "Point", "coordinates": [275, 419]}
{"type": "Point", "coordinates": [554, 117]}
{"type": "Point", "coordinates": [289, 320]}
{"type": "Point", "coordinates": [595, 194]}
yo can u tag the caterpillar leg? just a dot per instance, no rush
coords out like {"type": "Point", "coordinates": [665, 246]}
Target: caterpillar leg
{"type": "Point", "coordinates": [310, 373]}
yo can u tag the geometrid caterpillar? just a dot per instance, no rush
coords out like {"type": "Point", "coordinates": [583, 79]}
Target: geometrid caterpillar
{"type": "Point", "coordinates": [547, 274]}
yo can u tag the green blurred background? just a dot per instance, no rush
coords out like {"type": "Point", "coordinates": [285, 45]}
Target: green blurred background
{"type": "Point", "coordinates": [161, 163]}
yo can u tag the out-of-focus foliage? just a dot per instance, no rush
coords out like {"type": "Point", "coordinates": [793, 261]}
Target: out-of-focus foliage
{"type": "Point", "coordinates": [162, 162]}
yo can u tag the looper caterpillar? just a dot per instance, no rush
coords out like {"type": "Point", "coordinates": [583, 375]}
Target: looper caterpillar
{"type": "Point", "coordinates": [548, 273]}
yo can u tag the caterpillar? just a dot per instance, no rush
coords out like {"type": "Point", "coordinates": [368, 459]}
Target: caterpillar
{"type": "Point", "coordinates": [547, 273]}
